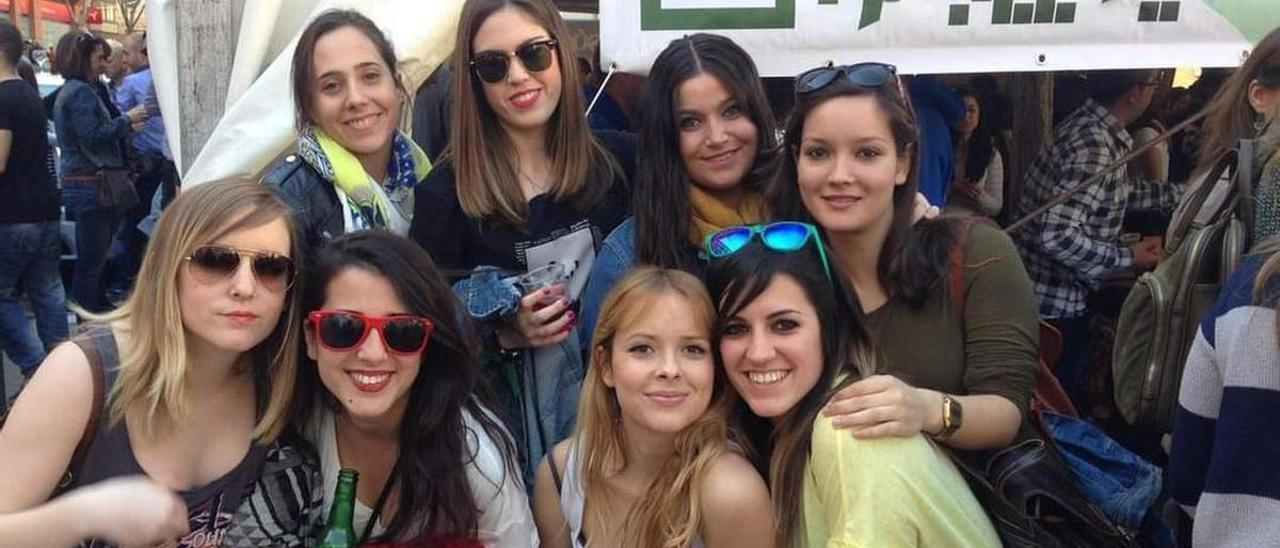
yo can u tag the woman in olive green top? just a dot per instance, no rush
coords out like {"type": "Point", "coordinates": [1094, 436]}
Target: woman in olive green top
{"type": "Point", "coordinates": [965, 381]}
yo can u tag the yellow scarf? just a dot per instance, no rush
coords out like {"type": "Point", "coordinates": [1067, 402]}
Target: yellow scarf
{"type": "Point", "coordinates": [710, 213]}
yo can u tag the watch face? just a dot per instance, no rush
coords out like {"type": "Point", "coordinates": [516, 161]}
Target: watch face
{"type": "Point", "coordinates": [957, 412]}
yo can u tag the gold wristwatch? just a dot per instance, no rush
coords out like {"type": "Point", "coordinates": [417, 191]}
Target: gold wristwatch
{"type": "Point", "coordinates": [952, 417]}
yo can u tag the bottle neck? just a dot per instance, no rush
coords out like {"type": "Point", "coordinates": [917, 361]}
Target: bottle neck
{"type": "Point", "coordinates": [342, 513]}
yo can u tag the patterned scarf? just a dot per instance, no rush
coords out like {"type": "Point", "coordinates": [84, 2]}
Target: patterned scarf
{"type": "Point", "coordinates": [1266, 192]}
{"type": "Point", "coordinates": [711, 214]}
{"type": "Point", "coordinates": [370, 205]}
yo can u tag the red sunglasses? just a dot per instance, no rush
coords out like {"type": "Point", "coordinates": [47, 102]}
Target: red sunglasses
{"type": "Point", "coordinates": [342, 331]}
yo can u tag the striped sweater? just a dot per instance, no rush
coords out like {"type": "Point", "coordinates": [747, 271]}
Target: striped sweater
{"type": "Point", "coordinates": [1224, 466]}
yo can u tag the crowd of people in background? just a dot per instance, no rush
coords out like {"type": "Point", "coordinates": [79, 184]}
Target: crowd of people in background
{"type": "Point", "coordinates": [682, 319]}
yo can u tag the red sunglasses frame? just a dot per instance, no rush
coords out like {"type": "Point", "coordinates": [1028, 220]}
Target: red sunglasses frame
{"type": "Point", "coordinates": [370, 323]}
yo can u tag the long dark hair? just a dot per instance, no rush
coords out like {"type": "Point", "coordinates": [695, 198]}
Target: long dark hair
{"type": "Point", "coordinates": [304, 67]}
{"type": "Point", "coordinates": [435, 496]}
{"type": "Point", "coordinates": [980, 147]}
{"type": "Point", "coordinates": [781, 453]}
{"type": "Point", "coordinates": [662, 208]}
{"type": "Point", "coordinates": [913, 260]}
{"type": "Point", "coordinates": [1231, 117]}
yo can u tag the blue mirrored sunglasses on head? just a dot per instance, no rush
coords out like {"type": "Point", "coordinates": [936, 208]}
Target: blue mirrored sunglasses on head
{"type": "Point", "coordinates": [863, 75]}
{"type": "Point", "coordinates": [786, 236]}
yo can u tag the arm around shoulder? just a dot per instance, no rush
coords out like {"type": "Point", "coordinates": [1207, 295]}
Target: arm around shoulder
{"type": "Point", "coordinates": [736, 509]}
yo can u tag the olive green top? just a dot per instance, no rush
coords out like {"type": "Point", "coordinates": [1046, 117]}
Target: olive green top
{"type": "Point", "coordinates": [992, 350]}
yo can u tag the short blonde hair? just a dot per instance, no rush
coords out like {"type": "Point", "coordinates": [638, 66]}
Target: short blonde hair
{"type": "Point", "coordinates": [153, 363]}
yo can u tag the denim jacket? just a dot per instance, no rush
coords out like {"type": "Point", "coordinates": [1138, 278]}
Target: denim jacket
{"type": "Point", "coordinates": [89, 138]}
{"type": "Point", "coordinates": [549, 379]}
{"type": "Point", "coordinates": [616, 257]}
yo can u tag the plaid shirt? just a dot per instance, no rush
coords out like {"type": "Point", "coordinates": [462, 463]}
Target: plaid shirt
{"type": "Point", "coordinates": [1071, 248]}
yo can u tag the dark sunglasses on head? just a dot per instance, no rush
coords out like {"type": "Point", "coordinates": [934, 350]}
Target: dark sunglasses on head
{"type": "Point", "coordinates": [214, 263]}
{"type": "Point", "coordinates": [342, 331]}
{"type": "Point", "coordinates": [785, 236]}
{"type": "Point", "coordinates": [863, 75]}
{"type": "Point", "coordinates": [492, 66]}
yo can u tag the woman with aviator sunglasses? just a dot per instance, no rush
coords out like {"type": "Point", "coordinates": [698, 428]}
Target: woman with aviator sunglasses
{"type": "Point", "coordinates": [523, 184]}
{"type": "Point", "coordinates": [392, 390]}
{"type": "Point", "coordinates": [789, 334]}
{"type": "Point", "coordinates": [851, 148]}
{"type": "Point", "coordinates": [168, 418]}
{"type": "Point", "coordinates": [352, 169]}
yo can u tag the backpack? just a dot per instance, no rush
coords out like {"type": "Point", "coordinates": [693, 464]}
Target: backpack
{"type": "Point", "coordinates": [1161, 314]}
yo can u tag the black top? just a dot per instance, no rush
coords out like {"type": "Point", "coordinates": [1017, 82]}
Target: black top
{"type": "Point", "coordinates": [28, 193]}
{"type": "Point", "coordinates": [555, 232]}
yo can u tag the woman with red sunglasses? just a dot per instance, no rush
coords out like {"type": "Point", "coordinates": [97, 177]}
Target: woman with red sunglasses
{"type": "Point", "coordinates": [168, 418]}
{"type": "Point", "coordinates": [393, 391]}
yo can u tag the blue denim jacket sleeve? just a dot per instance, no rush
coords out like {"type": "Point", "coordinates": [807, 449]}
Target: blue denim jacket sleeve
{"type": "Point", "coordinates": [617, 254]}
{"type": "Point", "coordinates": [89, 121]}
{"type": "Point", "coordinates": [487, 295]}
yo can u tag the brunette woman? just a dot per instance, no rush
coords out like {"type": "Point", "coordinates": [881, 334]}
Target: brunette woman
{"type": "Point", "coordinates": [789, 334]}
{"type": "Point", "coordinates": [399, 401]}
{"type": "Point", "coordinates": [91, 135]}
{"type": "Point", "coordinates": [978, 186]}
{"type": "Point", "coordinates": [525, 184]}
{"type": "Point", "coordinates": [708, 138]}
{"type": "Point", "coordinates": [353, 169]}
{"type": "Point", "coordinates": [850, 166]}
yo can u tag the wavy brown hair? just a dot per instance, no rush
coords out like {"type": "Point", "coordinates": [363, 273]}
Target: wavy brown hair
{"type": "Point", "coordinates": [668, 515]}
{"type": "Point", "coordinates": [479, 150]}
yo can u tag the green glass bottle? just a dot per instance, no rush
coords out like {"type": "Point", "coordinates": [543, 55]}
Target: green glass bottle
{"type": "Point", "coordinates": [340, 532]}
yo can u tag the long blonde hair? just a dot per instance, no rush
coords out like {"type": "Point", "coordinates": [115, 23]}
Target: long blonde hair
{"type": "Point", "coordinates": [581, 169]}
{"type": "Point", "coordinates": [668, 515]}
{"type": "Point", "coordinates": [154, 366]}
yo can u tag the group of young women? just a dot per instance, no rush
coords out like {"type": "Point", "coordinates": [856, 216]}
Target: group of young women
{"type": "Point", "coordinates": [752, 315]}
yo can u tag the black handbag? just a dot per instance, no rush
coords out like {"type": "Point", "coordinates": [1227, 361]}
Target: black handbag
{"type": "Point", "coordinates": [1033, 500]}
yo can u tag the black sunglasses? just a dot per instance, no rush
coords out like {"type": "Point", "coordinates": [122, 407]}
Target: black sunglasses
{"type": "Point", "coordinates": [491, 66]}
{"type": "Point", "coordinates": [863, 75]}
{"type": "Point", "coordinates": [212, 263]}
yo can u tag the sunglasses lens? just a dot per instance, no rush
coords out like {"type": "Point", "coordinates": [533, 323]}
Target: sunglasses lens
{"type": "Point", "coordinates": [536, 56]}
{"type": "Point", "coordinates": [404, 334]}
{"type": "Point", "coordinates": [870, 76]}
{"type": "Point", "coordinates": [491, 68]}
{"type": "Point", "coordinates": [275, 272]}
{"type": "Point", "coordinates": [341, 331]}
{"type": "Point", "coordinates": [728, 241]}
{"type": "Point", "coordinates": [785, 236]}
{"type": "Point", "coordinates": [214, 263]}
{"type": "Point", "coordinates": [815, 79]}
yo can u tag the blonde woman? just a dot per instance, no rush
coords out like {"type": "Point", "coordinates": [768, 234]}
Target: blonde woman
{"type": "Point", "coordinates": [650, 463]}
{"type": "Point", "coordinates": [195, 373]}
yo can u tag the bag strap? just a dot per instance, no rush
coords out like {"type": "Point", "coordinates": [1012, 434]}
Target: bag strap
{"type": "Point", "coordinates": [1223, 166]}
{"type": "Point", "coordinates": [1244, 185]}
{"type": "Point", "coordinates": [90, 350]}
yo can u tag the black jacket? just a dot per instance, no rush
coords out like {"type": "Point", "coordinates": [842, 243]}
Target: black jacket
{"type": "Point", "coordinates": [312, 199]}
